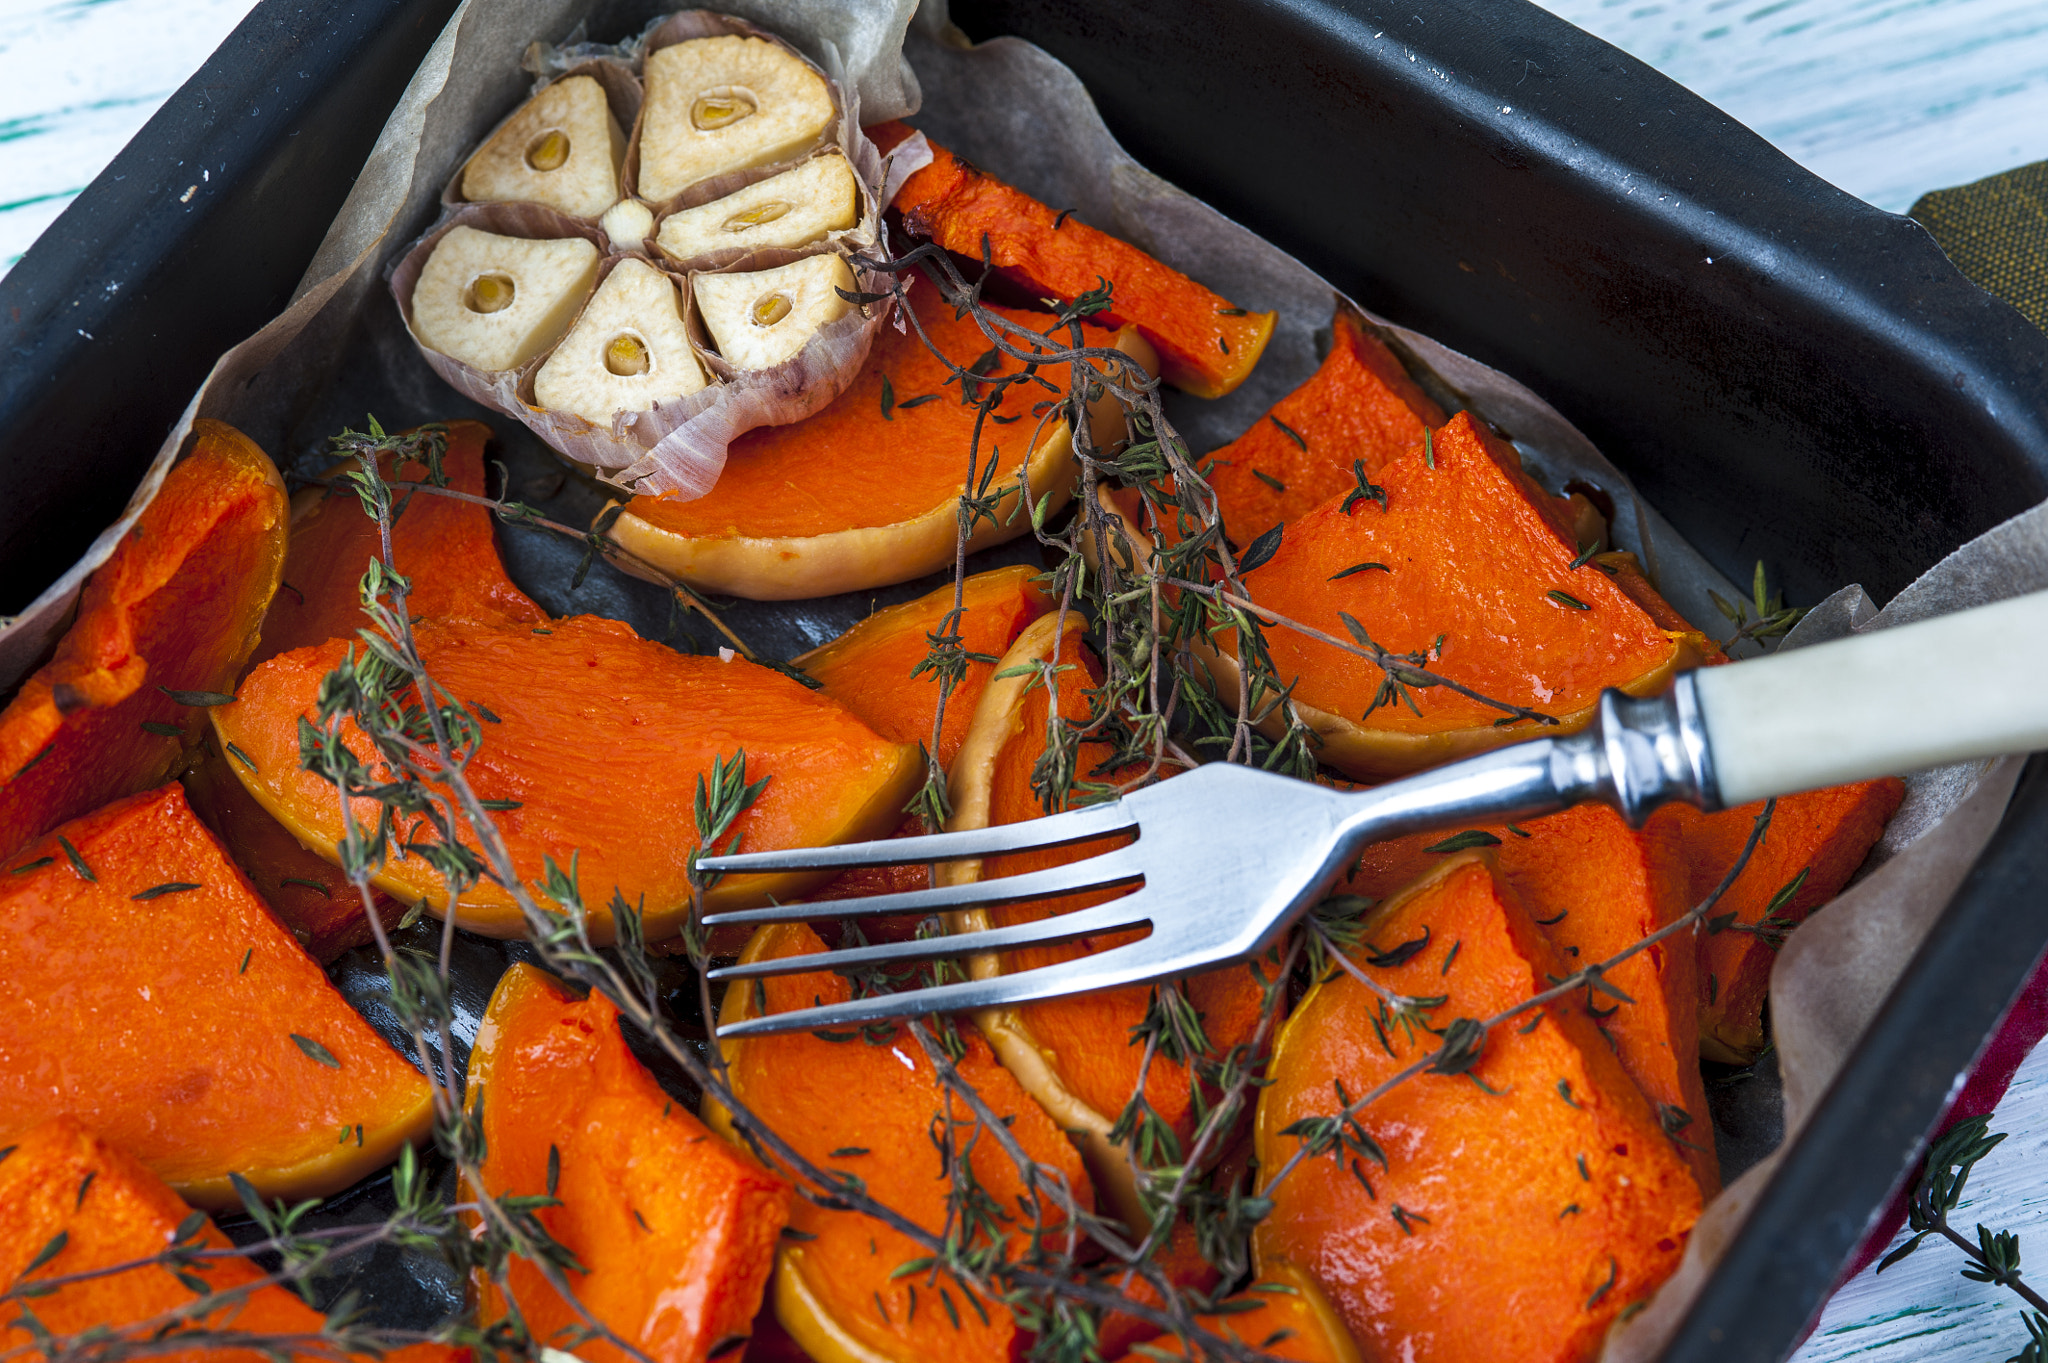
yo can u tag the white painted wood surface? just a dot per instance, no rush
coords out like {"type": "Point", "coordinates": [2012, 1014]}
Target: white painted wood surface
{"type": "Point", "coordinates": [1884, 98]}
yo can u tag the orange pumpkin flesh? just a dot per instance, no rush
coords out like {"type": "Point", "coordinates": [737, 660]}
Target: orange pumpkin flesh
{"type": "Point", "coordinates": [168, 1019]}
{"type": "Point", "coordinates": [1552, 1187]}
{"type": "Point", "coordinates": [859, 496]}
{"type": "Point", "coordinates": [308, 893]}
{"type": "Point", "coordinates": [1360, 404]}
{"type": "Point", "coordinates": [59, 1179]}
{"type": "Point", "coordinates": [601, 737]}
{"type": "Point", "coordinates": [445, 547]}
{"type": "Point", "coordinates": [177, 606]}
{"type": "Point", "coordinates": [869, 1107]}
{"type": "Point", "coordinates": [1825, 833]}
{"type": "Point", "coordinates": [1072, 1054]}
{"type": "Point", "coordinates": [677, 1231]}
{"type": "Point", "coordinates": [869, 668]}
{"type": "Point", "coordinates": [1206, 346]}
{"type": "Point", "coordinates": [1478, 578]}
{"type": "Point", "coordinates": [1283, 1314]}
{"type": "Point", "coordinates": [1596, 887]}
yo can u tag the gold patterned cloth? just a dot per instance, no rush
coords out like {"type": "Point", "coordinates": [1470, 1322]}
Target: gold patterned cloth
{"type": "Point", "coordinates": [1996, 232]}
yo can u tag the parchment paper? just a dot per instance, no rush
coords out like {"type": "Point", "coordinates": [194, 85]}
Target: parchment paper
{"type": "Point", "coordinates": [1013, 108]}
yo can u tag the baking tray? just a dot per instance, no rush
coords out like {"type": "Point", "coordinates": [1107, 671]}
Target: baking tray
{"type": "Point", "coordinates": [1787, 373]}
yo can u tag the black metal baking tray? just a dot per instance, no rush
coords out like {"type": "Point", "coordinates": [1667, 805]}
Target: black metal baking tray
{"type": "Point", "coordinates": [1786, 372]}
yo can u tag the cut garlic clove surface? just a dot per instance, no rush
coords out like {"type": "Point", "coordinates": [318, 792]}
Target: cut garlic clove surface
{"type": "Point", "coordinates": [762, 318]}
{"type": "Point", "coordinates": [629, 223]}
{"type": "Point", "coordinates": [626, 353]}
{"type": "Point", "coordinates": [495, 302]}
{"type": "Point", "coordinates": [725, 103]}
{"type": "Point", "coordinates": [795, 208]}
{"type": "Point", "coordinates": [563, 149]}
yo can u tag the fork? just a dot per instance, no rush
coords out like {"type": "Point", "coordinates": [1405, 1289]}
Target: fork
{"type": "Point", "coordinates": [1226, 856]}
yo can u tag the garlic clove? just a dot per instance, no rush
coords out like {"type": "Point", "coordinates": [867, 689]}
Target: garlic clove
{"type": "Point", "coordinates": [627, 352]}
{"type": "Point", "coordinates": [725, 103]}
{"type": "Point", "coordinates": [563, 149]}
{"type": "Point", "coordinates": [762, 318]}
{"type": "Point", "coordinates": [495, 302]}
{"type": "Point", "coordinates": [795, 208]}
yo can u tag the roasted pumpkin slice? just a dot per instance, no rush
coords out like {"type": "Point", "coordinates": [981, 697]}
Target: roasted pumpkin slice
{"type": "Point", "coordinates": [596, 739]}
{"type": "Point", "coordinates": [866, 493]}
{"type": "Point", "coordinates": [676, 1232]}
{"type": "Point", "coordinates": [146, 990]}
{"type": "Point", "coordinates": [1206, 345]}
{"type": "Point", "coordinates": [1535, 1172]}
{"type": "Point", "coordinates": [445, 547]}
{"type": "Point", "coordinates": [1074, 1055]}
{"type": "Point", "coordinates": [877, 669]}
{"type": "Point", "coordinates": [91, 1207]}
{"type": "Point", "coordinates": [1468, 567]}
{"type": "Point", "coordinates": [1284, 1314]}
{"type": "Point", "coordinates": [170, 617]}
{"type": "Point", "coordinates": [872, 1105]}
{"type": "Point", "coordinates": [308, 893]}
{"type": "Point", "coordinates": [1596, 887]}
{"type": "Point", "coordinates": [1814, 844]}
{"type": "Point", "coordinates": [1360, 404]}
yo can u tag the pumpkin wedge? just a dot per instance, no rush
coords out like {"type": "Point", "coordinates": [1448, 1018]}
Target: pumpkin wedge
{"type": "Point", "coordinates": [1359, 404]}
{"type": "Point", "coordinates": [1206, 345]}
{"type": "Point", "coordinates": [308, 893]}
{"type": "Point", "coordinates": [1596, 887]}
{"type": "Point", "coordinates": [1538, 1178]}
{"type": "Point", "coordinates": [447, 548]}
{"type": "Point", "coordinates": [1283, 1314]}
{"type": "Point", "coordinates": [1815, 843]}
{"type": "Point", "coordinates": [1074, 1055]}
{"type": "Point", "coordinates": [175, 609]}
{"type": "Point", "coordinates": [60, 1180]}
{"type": "Point", "coordinates": [866, 492]}
{"type": "Point", "coordinates": [1468, 565]}
{"type": "Point", "coordinates": [676, 1232]}
{"type": "Point", "coordinates": [145, 990]}
{"type": "Point", "coordinates": [597, 737]}
{"type": "Point", "coordinates": [871, 1104]}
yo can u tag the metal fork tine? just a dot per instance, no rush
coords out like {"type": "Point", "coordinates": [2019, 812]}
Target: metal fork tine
{"type": "Point", "coordinates": [1130, 964]}
{"type": "Point", "coordinates": [1118, 913]}
{"type": "Point", "coordinates": [1110, 868]}
{"type": "Point", "coordinates": [1074, 825]}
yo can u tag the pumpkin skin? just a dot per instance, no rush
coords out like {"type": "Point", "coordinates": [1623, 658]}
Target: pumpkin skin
{"type": "Point", "coordinates": [852, 498]}
{"type": "Point", "coordinates": [878, 1099]}
{"type": "Point", "coordinates": [167, 1022]}
{"type": "Point", "coordinates": [59, 1178]}
{"type": "Point", "coordinates": [1825, 833]}
{"type": "Point", "coordinates": [1284, 1314]}
{"type": "Point", "coordinates": [1595, 887]}
{"type": "Point", "coordinates": [1074, 1055]}
{"type": "Point", "coordinates": [1477, 556]}
{"type": "Point", "coordinates": [677, 1230]}
{"type": "Point", "coordinates": [1206, 347]}
{"type": "Point", "coordinates": [1485, 1177]}
{"type": "Point", "coordinates": [178, 605]}
{"type": "Point", "coordinates": [601, 738]}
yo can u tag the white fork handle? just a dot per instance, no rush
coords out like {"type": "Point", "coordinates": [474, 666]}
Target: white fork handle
{"type": "Point", "coordinates": [1968, 685]}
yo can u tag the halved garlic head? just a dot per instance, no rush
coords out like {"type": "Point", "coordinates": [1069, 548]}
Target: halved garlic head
{"type": "Point", "coordinates": [627, 352]}
{"type": "Point", "coordinates": [495, 302]}
{"type": "Point", "coordinates": [762, 318]}
{"type": "Point", "coordinates": [563, 149]}
{"type": "Point", "coordinates": [720, 104]}
{"type": "Point", "coordinates": [795, 208]}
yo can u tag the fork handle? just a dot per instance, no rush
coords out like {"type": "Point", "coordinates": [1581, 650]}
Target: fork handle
{"type": "Point", "coordinates": [1951, 689]}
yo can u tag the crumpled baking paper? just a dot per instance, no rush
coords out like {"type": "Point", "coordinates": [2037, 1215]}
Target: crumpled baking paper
{"type": "Point", "coordinates": [1010, 106]}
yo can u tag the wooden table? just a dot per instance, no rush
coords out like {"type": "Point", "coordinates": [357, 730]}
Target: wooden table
{"type": "Point", "coordinates": [1883, 98]}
